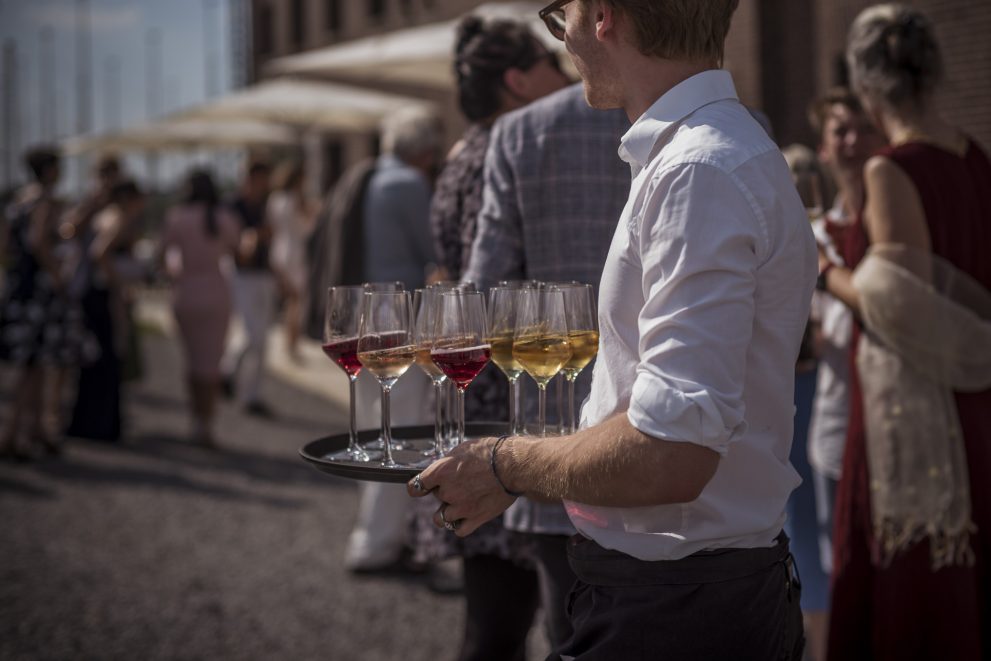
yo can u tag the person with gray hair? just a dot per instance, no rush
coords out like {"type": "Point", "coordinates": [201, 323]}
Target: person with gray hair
{"type": "Point", "coordinates": [397, 247]}
{"type": "Point", "coordinates": [411, 133]}
{"type": "Point", "coordinates": [397, 243]}
{"type": "Point", "coordinates": [912, 544]}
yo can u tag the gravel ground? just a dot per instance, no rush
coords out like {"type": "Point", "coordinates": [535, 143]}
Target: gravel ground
{"type": "Point", "coordinates": [156, 549]}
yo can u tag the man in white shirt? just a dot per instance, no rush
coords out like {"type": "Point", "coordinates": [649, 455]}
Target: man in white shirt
{"type": "Point", "coordinates": [678, 480]}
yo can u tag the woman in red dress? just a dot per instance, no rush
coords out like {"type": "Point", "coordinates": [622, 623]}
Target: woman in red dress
{"type": "Point", "coordinates": [930, 190]}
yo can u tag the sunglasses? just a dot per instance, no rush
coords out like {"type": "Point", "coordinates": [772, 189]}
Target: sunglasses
{"type": "Point", "coordinates": [553, 17]}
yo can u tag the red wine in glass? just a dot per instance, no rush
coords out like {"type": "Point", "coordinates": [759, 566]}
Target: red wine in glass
{"type": "Point", "coordinates": [344, 352]}
{"type": "Point", "coordinates": [462, 365]}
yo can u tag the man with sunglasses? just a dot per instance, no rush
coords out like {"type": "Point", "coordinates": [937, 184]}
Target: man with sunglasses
{"type": "Point", "coordinates": [678, 480]}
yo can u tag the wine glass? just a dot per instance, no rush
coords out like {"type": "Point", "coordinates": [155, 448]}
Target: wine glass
{"type": "Point", "coordinates": [540, 341]}
{"type": "Point", "coordinates": [386, 349]}
{"type": "Point", "coordinates": [519, 284]}
{"type": "Point", "coordinates": [583, 332]}
{"type": "Point", "coordinates": [424, 327]}
{"type": "Point", "coordinates": [453, 285]}
{"type": "Point", "coordinates": [503, 308]}
{"type": "Point", "coordinates": [385, 285]}
{"type": "Point", "coordinates": [450, 390]}
{"type": "Point", "coordinates": [341, 322]}
{"type": "Point", "coordinates": [460, 348]}
{"type": "Point", "coordinates": [394, 285]}
{"type": "Point", "coordinates": [559, 380]}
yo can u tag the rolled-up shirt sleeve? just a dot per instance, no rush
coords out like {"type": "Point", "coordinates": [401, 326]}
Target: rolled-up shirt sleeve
{"type": "Point", "coordinates": [700, 246]}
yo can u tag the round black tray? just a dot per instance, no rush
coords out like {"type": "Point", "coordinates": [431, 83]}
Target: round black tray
{"type": "Point", "coordinates": [321, 452]}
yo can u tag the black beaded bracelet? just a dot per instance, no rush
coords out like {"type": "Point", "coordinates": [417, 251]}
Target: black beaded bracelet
{"type": "Point", "coordinates": [495, 472]}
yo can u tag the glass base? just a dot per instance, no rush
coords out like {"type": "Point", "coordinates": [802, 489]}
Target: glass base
{"type": "Point", "coordinates": [346, 455]}
{"type": "Point", "coordinates": [379, 444]}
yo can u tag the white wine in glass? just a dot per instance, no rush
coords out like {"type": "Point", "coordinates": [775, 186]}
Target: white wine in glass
{"type": "Point", "coordinates": [385, 285]}
{"type": "Point", "coordinates": [583, 332]}
{"type": "Point", "coordinates": [540, 341]}
{"type": "Point", "coordinates": [386, 349]}
{"type": "Point", "coordinates": [424, 327]}
{"type": "Point", "coordinates": [503, 308]}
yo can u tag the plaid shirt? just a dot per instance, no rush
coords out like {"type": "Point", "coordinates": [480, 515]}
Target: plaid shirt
{"type": "Point", "coordinates": [554, 190]}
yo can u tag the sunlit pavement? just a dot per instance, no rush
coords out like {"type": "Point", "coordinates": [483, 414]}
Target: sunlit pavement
{"type": "Point", "coordinates": [158, 549]}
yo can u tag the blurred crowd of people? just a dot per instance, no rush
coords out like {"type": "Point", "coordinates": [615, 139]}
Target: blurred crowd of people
{"type": "Point", "coordinates": [72, 273]}
{"type": "Point", "coordinates": [532, 190]}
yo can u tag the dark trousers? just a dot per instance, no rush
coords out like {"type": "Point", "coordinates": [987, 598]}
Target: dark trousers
{"type": "Point", "coordinates": [96, 413]}
{"type": "Point", "coordinates": [556, 578]}
{"type": "Point", "coordinates": [739, 604]}
{"type": "Point", "coordinates": [501, 599]}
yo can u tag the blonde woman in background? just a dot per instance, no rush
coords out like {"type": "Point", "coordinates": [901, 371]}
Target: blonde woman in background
{"type": "Point", "coordinates": [912, 543]}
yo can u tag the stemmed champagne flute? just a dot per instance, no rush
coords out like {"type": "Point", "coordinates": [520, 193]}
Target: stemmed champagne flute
{"type": "Point", "coordinates": [424, 327]}
{"type": "Point", "coordinates": [386, 349]}
{"type": "Point", "coordinates": [540, 341]}
{"type": "Point", "coordinates": [583, 332]}
{"type": "Point", "coordinates": [341, 323]}
{"type": "Point", "coordinates": [460, 348]}
{"type": "Point", "coordinates": [503, 308]}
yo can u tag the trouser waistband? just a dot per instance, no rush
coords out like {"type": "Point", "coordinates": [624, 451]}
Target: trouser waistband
{"type": "Point", "coordinates": [596, 565]}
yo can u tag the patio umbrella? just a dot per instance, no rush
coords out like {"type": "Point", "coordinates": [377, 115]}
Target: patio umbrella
{"type": "Point", "coordinates": [305, 104]}
{"type": "Point", "coordinates": [175, 134]}
{"type": "Point", "coordinates": [419, 56]}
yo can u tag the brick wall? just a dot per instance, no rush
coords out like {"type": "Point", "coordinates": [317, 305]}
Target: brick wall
{"type": "Point", "coordinates": [742, 53]}
{"type": "Point", "coordinates": [964, 30]}
{"type": "Point", "coordinates": [783, 53]}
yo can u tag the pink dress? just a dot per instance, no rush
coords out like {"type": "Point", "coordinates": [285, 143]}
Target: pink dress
{"type": "Point", "coordinates": [201, 291]}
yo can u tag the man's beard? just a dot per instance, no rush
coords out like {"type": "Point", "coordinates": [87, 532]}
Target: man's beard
{"type": "Point", "coordinates": [601, 90]}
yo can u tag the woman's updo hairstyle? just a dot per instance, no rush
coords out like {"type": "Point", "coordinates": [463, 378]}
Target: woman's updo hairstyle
{"type": "Point", "coordinates": [893, 55]}
{"type": "Point", "coordinates": [484, 50]}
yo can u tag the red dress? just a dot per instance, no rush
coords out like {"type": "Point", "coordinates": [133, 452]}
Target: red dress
{"type": "Point", "coordinates": [906, 611]}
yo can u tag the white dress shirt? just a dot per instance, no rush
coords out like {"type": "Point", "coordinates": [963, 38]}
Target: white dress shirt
{"type": "Point", "coordinates": [702, 305]}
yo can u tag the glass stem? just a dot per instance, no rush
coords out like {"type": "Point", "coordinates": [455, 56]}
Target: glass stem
{"type": "Point", "coordinates": [571, 406]}
{"type": "Point", "coordinates": [512, 406]}
{"type": "Point", "coordinates": [353, 448]}
{"type": "Point", "coordinates": [542, 409]}
{"type": "Point", "coordinates": [560, 405]}
{"type": "Point", "coordinates": [439, 418]}
{"type": "Point", "coordinates": [452, 416]}
{"type": "Point", "coordinates": [461, 416]}
{"type": "Point", "coordinates": [520, 409]}
{"type": "Point", "coordinates": [387, 459]}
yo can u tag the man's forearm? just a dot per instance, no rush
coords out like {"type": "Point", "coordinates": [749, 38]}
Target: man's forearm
{"type": "Point", "coordinates": [611, 465]}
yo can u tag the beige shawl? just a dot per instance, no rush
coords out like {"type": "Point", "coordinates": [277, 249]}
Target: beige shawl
{"type": "Point", "coordinates": [927, 333]}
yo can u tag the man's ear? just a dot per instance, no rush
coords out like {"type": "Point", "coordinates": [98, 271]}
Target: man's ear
{"type": "Point", "coordinates": [605, 21]}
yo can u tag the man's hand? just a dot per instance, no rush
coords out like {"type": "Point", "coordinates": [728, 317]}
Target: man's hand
{"type": "Point", "coordinates": [464, 484]}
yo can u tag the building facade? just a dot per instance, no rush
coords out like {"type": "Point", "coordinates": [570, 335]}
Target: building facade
{"type": "Point", "coordinates": [782, 53]}
{"type": "Point", "coordinates": [287, 27]}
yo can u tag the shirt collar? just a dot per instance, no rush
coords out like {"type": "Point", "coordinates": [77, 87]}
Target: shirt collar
{"type": "Point", "coordinates": [680, 101]}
